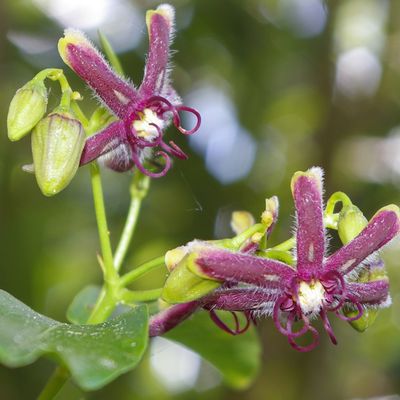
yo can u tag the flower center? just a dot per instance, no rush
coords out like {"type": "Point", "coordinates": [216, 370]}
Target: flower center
{"type": "Point", "coordinates": [311, 296]}
{"type": "Point", "coordinates": [146, 125]}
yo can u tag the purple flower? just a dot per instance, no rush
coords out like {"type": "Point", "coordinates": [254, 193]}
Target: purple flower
{"type": "Point", "coordinates": [141, 114]}
{"type": "Point", "coordinates": [318, 284]}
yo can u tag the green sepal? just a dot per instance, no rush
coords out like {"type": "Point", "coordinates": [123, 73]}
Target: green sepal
{"type": "Point", "coordinates": [183, 285]}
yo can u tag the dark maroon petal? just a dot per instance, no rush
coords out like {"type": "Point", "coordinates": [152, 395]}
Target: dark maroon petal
{"type": "Point", "coordinates": [171, 317]}
{"type": "Point", "coordinates": [160, 27]}
{"type": "Point", "coordinates": [370, 293]}
{"type": "Point", "coordinates": [383, 227]}
{"type": "Point", "coordinates": [103, 142]}
{"type": "Point", "coordinates": [236, 267]}
{"type": "Point", "coordinates": [84, 59]}
{"type": "Point", "coordinates": [310, 235]}
{"type": "Point", "coordinates": [240, 299]}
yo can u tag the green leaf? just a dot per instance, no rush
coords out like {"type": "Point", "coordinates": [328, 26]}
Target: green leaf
{"type": "Point", "coordinates": [94, 354]}
{"type": "Point", "coordinates": [82, 305]}
{"type": "Point", "coordinates": [236, 357]}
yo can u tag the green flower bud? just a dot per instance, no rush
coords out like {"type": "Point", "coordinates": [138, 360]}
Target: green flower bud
{"type": "Point", "coordinates": [183, 286]}
{"type": "Point", "coordinates": [351, 223]}
{"type": "Point", "coordinates": [366, 320]}
{"type": "Point", "coordinates": [57, 144]}
{"type": "Point", "coordinates": [27, 108]}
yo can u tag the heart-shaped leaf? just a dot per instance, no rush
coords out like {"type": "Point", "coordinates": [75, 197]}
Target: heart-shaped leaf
{"type": "Point", "coordinates": [94, 354]}
{"type": "Point", "coordinates": [236, 357]}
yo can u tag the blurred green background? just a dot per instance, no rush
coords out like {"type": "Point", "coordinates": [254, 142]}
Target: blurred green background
{"type": "Point", "coordinates": [282, 85]}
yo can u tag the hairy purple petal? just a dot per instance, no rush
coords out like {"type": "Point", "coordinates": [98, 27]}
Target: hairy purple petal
{"type": "Point", "coordinates": [84, 59]}
{"type": "Point", "coordinates": [370, 293]}
{"type": "Point", "coordinates": [160, 27]}
{"type": "Point", "coordinates": [310, 235]}
{"type": "Point", "coordinates": [103, 142]}
{"type": "Point", "coordinates": [383, 227]}
{"type": "Point", "coordinates": [237, 267]}
{"type": "Point", "coordinates": [165, 320]}
{"type": "Point", "coordinates": [239, 299]}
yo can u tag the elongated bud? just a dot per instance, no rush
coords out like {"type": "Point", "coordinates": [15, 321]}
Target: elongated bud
{"type": "Point", "coordinates": [183, 286]}
{"type": "Point", "coordinates": [270, 214]}
{"type": "Point", "coordinates": [57, 144]}
{"type": "Point", "coordinates": [26, 109]}
{"type": "Point", "coordinates": [351, 223]}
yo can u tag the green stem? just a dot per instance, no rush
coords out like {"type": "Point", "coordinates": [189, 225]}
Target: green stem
{"type": "Point", "coordinates": [238, 240]}
{"type": "Point", "coordinates": [129, 296]}
{"type": "Point", "coordinates": [279, 255]}
{"type": "Point", "coordinates": [338, 197]}
{"type": "Point", "coordinates": [104, 307]}
{"type": "Point", "coordinates": [286, 245]}
{"type": "Point", "coordinates": [141, 270]}
{"type": "Point", "coordinates": [138, 190]}
{"type": "Point", "coordinates": [110, 274]}
{"type": "Point", "coordinates": [54, 384]}
{"type": "Point", "coordinates": [79, 114]}
{"type": "Point", "coordinates": [112, 57]}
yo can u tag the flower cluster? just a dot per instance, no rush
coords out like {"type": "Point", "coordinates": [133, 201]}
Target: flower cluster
{"type": "Point", "coordinates": [141, 114]}
{"type": "Point", "coordinates": [346, 283]}
{"type": "Point", "coordinates": [127, 131]}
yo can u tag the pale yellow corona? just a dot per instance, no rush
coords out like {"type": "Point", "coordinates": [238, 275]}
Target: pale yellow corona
{"type": "Point", "coordinates": [311, 296]}
{"type": "Point", "coordinates": [144, 126]}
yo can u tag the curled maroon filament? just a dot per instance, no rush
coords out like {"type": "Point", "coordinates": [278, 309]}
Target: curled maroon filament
{"type": "Point", "coordinates": [360, 311]}
{"type": "Point", "coordinates": [327, 326]}
{"type": "Point", "coordinates": [303, 349]}
{"type": "Point", "coordinates": [169, 107]}
{"type": "Point", "coordinates": [145, 171]}
{"type": "Point", "coordinates": [238, 330]}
